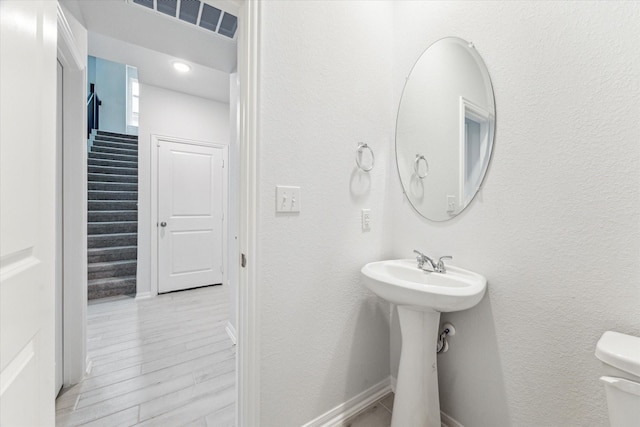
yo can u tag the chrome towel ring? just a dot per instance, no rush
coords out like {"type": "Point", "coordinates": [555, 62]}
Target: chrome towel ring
{"type": "Point", "coordinates": [416, 166]}
{"type": "Point", "coordinates": [361, 147]}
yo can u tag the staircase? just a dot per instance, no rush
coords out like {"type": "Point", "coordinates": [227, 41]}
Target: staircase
{"type": "Point", "coordinates": [113, 215]}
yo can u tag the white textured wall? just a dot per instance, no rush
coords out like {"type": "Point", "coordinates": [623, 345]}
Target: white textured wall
{"type": "Point", "coordinates": [556, 227]}
{"type": "Point", "coordinates": [168, 113]}
{"type": "Point", "coordinates": [324, 80]}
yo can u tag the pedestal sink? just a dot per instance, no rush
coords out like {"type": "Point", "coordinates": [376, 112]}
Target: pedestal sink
{"type": "Point", "coordinates": [420, 296]}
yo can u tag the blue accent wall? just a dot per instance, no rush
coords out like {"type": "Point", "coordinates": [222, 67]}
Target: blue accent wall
{"type": "Point", "coordinates": [110, 79]}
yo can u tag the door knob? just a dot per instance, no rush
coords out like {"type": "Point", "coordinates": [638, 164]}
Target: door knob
{"type": "Point", "coordinates": [163, 224]}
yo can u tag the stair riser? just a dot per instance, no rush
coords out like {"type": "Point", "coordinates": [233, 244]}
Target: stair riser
{"type": "Point", "coordinates": [108, 156]}
{"type": "Point", "coordinates": [103, 205]}
{"type": "Point", "coordinates": [116, 139]}
{"type": "Point", "coordinates": [112, 186]}
{"type": "Point", "coordinates": [112, 163]}
{"type": "Point", "coordinates": [112, 171]}
{"type": "Point", "coordinates": [105, 241]}
{"type": "Point", "coordinates": [107, 150]}
{"type": "Point", "coordinates": [131, 179]}
{"type": "Point", "coordinates": [111, 228]}
{"type": "Point", "coordinates": [105, 144]}
{"type": "Point", "coordinates": [113, 195]}
{"type": "Point", "coordinates": [113, 216]}
{"type": "Point", "coordinates": [117, 135]}
{"type": "Point", "coordinates": [108, 255]}
{"type": "Point", "coordinates": [119, 271]}
{"type": "Point", "coordinates": [109, 290]}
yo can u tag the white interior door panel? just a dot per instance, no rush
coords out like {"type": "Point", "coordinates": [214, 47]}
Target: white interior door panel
{"type": "Point", "coordinates": [190, 215]}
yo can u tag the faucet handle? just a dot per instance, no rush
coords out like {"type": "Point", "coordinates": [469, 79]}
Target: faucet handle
{"type": "Point", "coordinates": [420, 254]}
{"type": "Point", "coordinates": [440, 268]}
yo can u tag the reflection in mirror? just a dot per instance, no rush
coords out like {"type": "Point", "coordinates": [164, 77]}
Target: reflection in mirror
{"type": "Point", "coordinates": [445, 128]}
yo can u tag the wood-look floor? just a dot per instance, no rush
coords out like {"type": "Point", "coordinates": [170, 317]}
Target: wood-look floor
{"type": "Point", "coordinates": [164, 361]}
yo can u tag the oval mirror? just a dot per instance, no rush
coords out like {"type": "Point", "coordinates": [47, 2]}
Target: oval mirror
{"type": "Point", "coordinates": [445, 128]}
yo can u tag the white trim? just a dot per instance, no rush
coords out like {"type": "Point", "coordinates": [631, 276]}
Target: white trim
{"type": "Point", "coordinates": [89, 365]}
{"type": "Point", "coordinates": [231, 331]}
{"type": "Point", "coordinates": [480, 115]}
{"type": "Point", "coordinates": [68, 51]}
{"type": "Point", "coordinates": [448, 421]}
{"type": "Point", "coordinates": [248, 359]}
{"type": "Point", "coordinates": [74, 194]}
{"type": "Point", "coordinates": [394, 383]}
{"type": "Point", "coordinates": [155, 141]}
{"type": "Point", "coordinates": [353, 406]}
{"type": "Point", "coordinates": [143, 295]}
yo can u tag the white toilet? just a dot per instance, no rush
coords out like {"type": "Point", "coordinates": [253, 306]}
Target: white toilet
{"type": "Point", "coordinates": [620, 355]}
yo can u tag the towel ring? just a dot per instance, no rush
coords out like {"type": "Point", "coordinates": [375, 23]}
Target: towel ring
{"type": "Point", "coordinates": [361, 147]}
{"type": "Point", "coordinates": [416, 165]}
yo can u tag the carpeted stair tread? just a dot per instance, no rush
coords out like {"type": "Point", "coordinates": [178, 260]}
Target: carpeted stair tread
{"type": "Point", "coordinates": [112, 186]}
{"type": "Point", "coordinates": [113, 239]}
{"type": "Point", "coordinates": [100, 149]}
{"type": "Point", "coordinates": [113, 205]}
{"type": "Point", "coordinates": [110, 156]}
{"type": "Point", "coordinates": [112, 177]}
{"type": "Point", "coordinates": [102, 288]}
{"type": "Point", "coordinates": [104, 270]}
{"type": "Point", "coordinates": [113, 253]}
{"type": "Point", "coordinates": [119, 145]}
{"type": "Point", "coordinates": [113, 170]}
{"type": "Point", "coordinates": [112, 195]}
{"type": "Point", "coordinates": [113, 163]}
{"type": "Point", "coordinates": [120, 135]}
{"type": "Point", "coordinates": [113, 216]}
{"type": "Point", "coordinates": [95, 228]}
{"type": "Point", "coordinates": [107, 138]}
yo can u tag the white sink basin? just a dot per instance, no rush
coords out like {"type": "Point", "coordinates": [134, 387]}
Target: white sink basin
{"type": "Point", "coordinates": [401, 282]}
{"type": "Point", "coordinates": [420, 296]}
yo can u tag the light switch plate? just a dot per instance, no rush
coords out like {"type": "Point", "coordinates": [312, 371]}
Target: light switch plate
{"type": "Point", "coordinates": [366, 219]}
{"type": "Point", "coordinates": [287, 199]}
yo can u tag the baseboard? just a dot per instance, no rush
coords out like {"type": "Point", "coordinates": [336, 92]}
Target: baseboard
{"type": "Point", "coordinates": [394, 381]}
{"type": "Point", "coordinates": [231, 331]}
{"type": "Point", "coordinates": [352, 406]}
{"type": "Point", "coordinates": [89, 365]}
{"type": "Point", "coordinates": [143, 295]}
{"type": "Point", "coordinates": [447, 421]}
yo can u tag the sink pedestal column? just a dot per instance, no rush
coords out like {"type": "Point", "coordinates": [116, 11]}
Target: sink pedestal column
{"type": "Point", "coordinates": [417, 403]}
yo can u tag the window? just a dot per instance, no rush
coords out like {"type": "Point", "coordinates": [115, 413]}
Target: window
{"type": "Point", "coordinates": [133, 97]}
{"type": "Point", "coordinates": [135, 102]}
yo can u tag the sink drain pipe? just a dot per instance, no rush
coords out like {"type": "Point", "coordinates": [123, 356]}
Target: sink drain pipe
{"type": "Point", "coordinates": [443, 345]}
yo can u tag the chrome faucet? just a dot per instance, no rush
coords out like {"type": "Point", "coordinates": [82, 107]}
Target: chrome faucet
{"type": "Point", "coordinates": [440, 268]}
{"type": "Point", "coordinates": [437, 267]}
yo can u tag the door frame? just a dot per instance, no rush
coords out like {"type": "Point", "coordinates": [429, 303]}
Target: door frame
{"type": "Point", "coordinates": [248, 301]}
{"type": "Point", "coordinates": [155, 170]}
{"type": "Point", "coordinates": [248, 350]}
{"type": "Point", "coordinates": [74, 203]}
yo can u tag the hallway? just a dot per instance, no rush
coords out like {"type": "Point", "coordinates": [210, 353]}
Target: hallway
{"type": "Point", "coordinates": [161, 361]}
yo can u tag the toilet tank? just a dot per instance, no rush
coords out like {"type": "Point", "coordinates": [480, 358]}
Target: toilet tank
{"type": "Point", "coordinates": [621, 352]}
{"type": "Point", "coordinates": [620, 355]}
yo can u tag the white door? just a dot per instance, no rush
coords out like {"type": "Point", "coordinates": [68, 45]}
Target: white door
{"type": "Point", "coordinates": [59, 247]}
{"type": "Point", "coordinates": [27, 211]}
{"type": "Point", "coordinates": [190, 215]}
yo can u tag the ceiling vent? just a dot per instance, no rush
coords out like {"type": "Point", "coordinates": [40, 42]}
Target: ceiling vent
{"type": "Point", "coordinates": [197, 13]}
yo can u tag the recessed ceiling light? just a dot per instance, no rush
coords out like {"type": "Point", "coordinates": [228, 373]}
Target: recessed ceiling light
{"type": "Point", "coordinates": [181, 66]}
